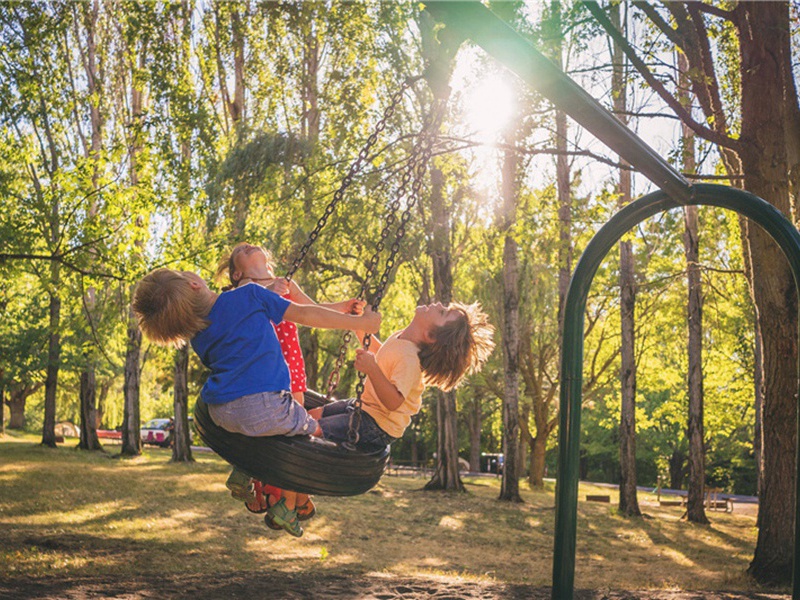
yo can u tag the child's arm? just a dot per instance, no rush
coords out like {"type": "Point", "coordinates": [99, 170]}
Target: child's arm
{"type": "Point", "coordinates": [387, 393]}
{"type": "Point", "coordinates": [374, 343]}
{"type": "Point", "coordinates": [313, 315]}
{"type": "Point", "coordinates": [296, 294]}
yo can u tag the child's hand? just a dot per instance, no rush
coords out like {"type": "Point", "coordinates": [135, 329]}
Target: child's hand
{"type": "Point", "coordinates": [354, 306]}
{"type": "Point", "coordinates": [365, 361]}
{"type": "Point", "coordinates": [370, 321]}
{"type": "Point", "coordinates": [280, 286]}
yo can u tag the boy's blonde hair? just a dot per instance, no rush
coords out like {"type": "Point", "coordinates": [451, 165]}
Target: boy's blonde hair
{"type": "Point", "coordinates": [226, 266]}
{"type": "Point", "coordinates": [169, 311]}
{"type": "Point", "coordinates": [460, 347]}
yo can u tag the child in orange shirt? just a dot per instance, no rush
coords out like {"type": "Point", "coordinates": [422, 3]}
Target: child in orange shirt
{"type": "Point", "coordinates": [440, 346]}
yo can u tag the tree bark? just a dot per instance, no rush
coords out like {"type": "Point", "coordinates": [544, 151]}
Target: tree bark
{"type": "Point", "coordinates": [18, 395]}
{"type": "Point", "coordinates": [628, 500]}
{"type": "Point", "coordinates": [131, 419]}
{"type": "Point", "coordinates": [88, 395]}
{"type": "Point", "coordinates": [89, 439]}
{"type": "Point", "coordinates": [181, 434]}
{"type": "Point", "coordinates": [509, 487]}
{"type": "Point", "coordinates": [695, 509]}
{"type": "Point", "coordinates": [475, 419]}
{"type": "Point", "coordinates": [53, 361]}
{"type": "Point", "coordinates": [676, 469]}
{"type": "Point", "coordinates": [446, 476]}
{"type": "Point", "coordinates": [766, 120]}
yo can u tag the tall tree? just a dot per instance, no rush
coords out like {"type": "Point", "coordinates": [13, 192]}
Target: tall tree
{"type": "Point", "coordinates": [85, 19]}
{"type": "Point", "coordinates": [628, 501]}
{"type": "Point", "coordinates": [695, 509]}
{"type": "Point", "coordinates": [767, 151]}
{"type": "Point", "coordinates": [509, 488]}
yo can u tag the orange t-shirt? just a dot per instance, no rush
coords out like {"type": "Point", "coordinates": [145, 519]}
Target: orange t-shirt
{"type": "Point", "coordinates": [399, 361]}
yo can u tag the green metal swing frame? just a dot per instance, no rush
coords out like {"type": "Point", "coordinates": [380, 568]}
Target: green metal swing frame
{"type": "Point", "coordinates": [472, 20]}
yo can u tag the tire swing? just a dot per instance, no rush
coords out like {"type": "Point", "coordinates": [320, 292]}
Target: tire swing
{"type": "Point", "coordinates": [308, 464]}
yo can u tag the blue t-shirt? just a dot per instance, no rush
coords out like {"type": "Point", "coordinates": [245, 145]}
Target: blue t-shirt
{"type": "Point", "coordinates": [240, 346]}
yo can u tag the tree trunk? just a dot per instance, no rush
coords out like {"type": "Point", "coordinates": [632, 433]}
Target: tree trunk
{"type": "Point", "coordinates": [53, 362]}
{"type": "Point", "coordinates": [131, 419]}
{"type": "Point", "coordinates": [475, 418]}
{"type": "Point", "coordinates": [89, 439]}
{"type": "Point", "coordinates": [88, 395]}
{"type": "Point", "coordinates": [509, 487]}
{"type": "Point", "coordinates": [628, 500]}
{"type": "Point", "coordinates": [102, 396]}
{"type": "Point", "coordinates": [181, 434]}
{"type": "Point", "coordinates": [16, 407]}
{"type": "Point", "coordinates": [446, 476]}
{"type": "Point", "coordinates": [764, 44]}
{"type": "Point", "coordinates": [695, 510]}
{"type": "Point", "coordinates": [676, 469]}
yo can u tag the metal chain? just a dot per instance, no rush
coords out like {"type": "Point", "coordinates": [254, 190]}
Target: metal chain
{"type": "Point", "coordinates": [422, 158]}
{"type": "Point", "coordinates": [351, 173]}
{"type": "Point", "coordinates": [390, 218]}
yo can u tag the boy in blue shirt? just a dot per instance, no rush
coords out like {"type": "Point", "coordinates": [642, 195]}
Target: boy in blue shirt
{"type": "Point", "coordinates": [248, 389]}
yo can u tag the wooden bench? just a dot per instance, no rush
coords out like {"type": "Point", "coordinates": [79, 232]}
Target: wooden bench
{"type": "Point", "coordinates": [715, 501]}
{"type": "Point", "coordinates": [598, 498]}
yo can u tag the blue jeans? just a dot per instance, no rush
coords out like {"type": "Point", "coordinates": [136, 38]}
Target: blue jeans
{"type": "Point", "coordinates": [263, 414]}
{"type": "Point", "coordinates": [335, 425]}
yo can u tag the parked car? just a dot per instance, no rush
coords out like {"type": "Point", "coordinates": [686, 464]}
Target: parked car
{"type": "Point", "coordinates": [158, 432]}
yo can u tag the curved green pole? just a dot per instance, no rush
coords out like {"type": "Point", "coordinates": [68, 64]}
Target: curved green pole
{"type": "Point", "coordinates": [744, 203]}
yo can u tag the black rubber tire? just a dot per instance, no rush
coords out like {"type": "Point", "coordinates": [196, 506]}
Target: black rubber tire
{"type": "Point", "coordinates": [300, 463]}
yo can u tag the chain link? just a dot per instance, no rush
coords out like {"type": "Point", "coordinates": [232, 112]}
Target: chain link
{"type": "Point", "coordinates": [389, 220]}
{"type": "Point", "coordinates": [354, 169]}
{"type": "Point", "coordinates": [421, 157]}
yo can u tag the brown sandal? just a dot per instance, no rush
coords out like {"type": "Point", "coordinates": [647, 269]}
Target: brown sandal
{"type": "Point", "coordinates": [306, 511]}
{"type": "Point", "coordinates": [259, 504]}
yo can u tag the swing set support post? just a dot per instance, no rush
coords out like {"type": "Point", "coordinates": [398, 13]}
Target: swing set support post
{"type": "Point", "coordinates": [469, 19]}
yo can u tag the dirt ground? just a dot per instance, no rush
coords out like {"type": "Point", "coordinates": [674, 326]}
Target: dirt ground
{"type": "Point", "coordinates": [251, 585]}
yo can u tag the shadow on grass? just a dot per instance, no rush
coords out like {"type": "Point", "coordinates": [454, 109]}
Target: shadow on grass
{"type": "Point", "coordinates": [98, 522]}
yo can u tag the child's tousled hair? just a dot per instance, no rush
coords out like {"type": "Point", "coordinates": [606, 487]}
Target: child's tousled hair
{"type": "Point", "coordinates": [460, 347]}
{"type": "Point", "coordinates": [226, 267]}
{"type": "Point", "coordinates": [169, 311]}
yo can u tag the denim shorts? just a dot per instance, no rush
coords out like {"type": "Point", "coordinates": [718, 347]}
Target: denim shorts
{"type": "Point", "coordinates": [335, 424]}
{"type": "Point", "coordinates": [263, 414]}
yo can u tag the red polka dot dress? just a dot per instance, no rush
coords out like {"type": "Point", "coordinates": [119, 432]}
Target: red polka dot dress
{"type": "Point", "coordinates": [290, 346]}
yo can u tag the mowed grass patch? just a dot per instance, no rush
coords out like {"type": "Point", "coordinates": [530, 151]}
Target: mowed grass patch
{"type": "Point", "coordinates": [72, 513]}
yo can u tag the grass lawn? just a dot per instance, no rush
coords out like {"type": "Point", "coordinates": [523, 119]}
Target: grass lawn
{"type": "Point", "coordinates": [67, 513]}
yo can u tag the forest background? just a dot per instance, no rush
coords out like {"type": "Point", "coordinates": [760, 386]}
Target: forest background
{"type": "Point", "coordinates": [140, 135]}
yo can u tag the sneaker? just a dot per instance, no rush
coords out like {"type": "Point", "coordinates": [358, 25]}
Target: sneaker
{"type": "Point", "coordinates": [241, 486]}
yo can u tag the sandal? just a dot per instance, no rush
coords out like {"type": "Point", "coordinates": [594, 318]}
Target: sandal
{"type": "Point", "coordinates": [241, 486]}
{"type": "Point", "coordinates": [306, 511]}
{"type": "Point", "coordinates": [259, 505]}
{"type": "Point", "coordinates": [287, 519]}
{"type": "Point", "coordinates": [268, 519]}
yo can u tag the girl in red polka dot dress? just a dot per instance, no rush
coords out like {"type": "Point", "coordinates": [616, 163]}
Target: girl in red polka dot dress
{"type": "Point", "coordinates": [253, 264]}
